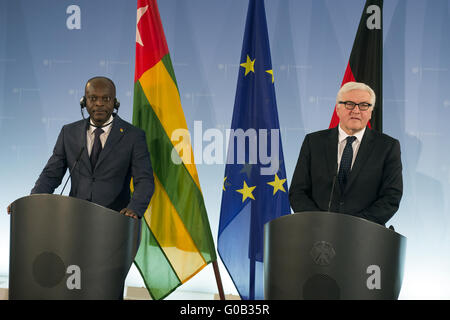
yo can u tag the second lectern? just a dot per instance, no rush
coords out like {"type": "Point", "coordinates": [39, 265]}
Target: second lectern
{"type": "Point", "coordinates": [66, 248]}
{"type": "Point", "coordinates": [325, 255]}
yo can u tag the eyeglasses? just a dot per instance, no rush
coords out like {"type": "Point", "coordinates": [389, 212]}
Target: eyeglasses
{"type": "Point", "coordinates": [350, 105]}
{"type": "Point", "coordinates": [105, 99]}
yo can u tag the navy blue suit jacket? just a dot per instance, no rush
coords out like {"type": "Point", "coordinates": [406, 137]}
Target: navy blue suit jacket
{"type": "Point", "coordinates": [125, 155]}
{"type": "Point", "coordinates": [374, 187]}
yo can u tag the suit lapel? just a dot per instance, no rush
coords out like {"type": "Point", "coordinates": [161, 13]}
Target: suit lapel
{"type": "Point", "coordinates": [365, 149]}
{"type": "Point", "coordinates": [331, 152]}
{"type": "Point", "coordinates": [332, 158]}
{"type": "Point", "coordinates": [114, 137]}
{"type": "Point", "coordinates": [82, 132]}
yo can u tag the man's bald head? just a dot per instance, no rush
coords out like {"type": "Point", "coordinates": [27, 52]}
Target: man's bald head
{"type": "Point", "coordinates": [101, 82]}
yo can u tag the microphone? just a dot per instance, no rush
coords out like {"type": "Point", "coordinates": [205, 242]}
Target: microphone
{"type": "Point", "coordinates": [332, 187]}
{"type": "Point", "coordinates": [74, 165]}
{"type": "Point", "coordinates": [332, 191]}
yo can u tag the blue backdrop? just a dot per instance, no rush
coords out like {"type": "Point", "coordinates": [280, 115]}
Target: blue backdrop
{"type": "Point", "coordinates": [49, 48]}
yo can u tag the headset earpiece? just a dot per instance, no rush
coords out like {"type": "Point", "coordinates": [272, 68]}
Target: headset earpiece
{"type": "Point", "coordinates": [83, 102]}
{"type": "Point", "coordinates": [116, 103]}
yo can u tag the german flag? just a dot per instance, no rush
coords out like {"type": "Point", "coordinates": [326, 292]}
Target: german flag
{"type": "Point", "coordinates": [176, 240]}
{"type": "Point", "coordinates": [366, 59]}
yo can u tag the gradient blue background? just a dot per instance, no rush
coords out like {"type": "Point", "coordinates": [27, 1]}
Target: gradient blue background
{"type": "Point", "coordinates": [44, 66]}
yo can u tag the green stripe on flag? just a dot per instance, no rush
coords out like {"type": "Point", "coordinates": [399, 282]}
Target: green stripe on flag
{"type": "Point", "coordinates": [169, 67]}
{"type": "Point", "coordinates": [154, 266]}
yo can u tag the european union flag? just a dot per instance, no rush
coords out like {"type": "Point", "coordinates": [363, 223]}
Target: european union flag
{"type": "Point", "coordinates": [255, 184]}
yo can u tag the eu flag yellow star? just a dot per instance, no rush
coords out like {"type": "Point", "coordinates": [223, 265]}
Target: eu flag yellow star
{"type": "Point", "coordinates": [223, 186]}
{"type": "Point", "coordinates": [271, 73]}
{"type": "Point", "coordinates": [249, 65]}
{"type": "Point", "coordinates": [277, 184]}
{"type": "Point", "coordinates": [246, 192]}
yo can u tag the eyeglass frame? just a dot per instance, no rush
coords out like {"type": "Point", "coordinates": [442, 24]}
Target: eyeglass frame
{"type": "Point", "coordinates": [368, 105]}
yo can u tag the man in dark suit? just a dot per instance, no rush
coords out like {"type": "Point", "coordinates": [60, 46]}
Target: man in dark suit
{"type": "Point", "coordinates": [103, 153]}
{"type": "Point", "coordinates": [349, 169]}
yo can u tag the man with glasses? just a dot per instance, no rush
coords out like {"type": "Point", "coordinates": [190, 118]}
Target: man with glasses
{"type": "Point", "coordinates": [103, 153]}
{"type": "Point", "coordinates": [349, 169]}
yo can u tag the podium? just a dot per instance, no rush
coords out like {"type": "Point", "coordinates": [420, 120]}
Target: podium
{"type": "Point", "coordinates": [323, 255]}
{"type": "Point", "coordinates": [66, 248]}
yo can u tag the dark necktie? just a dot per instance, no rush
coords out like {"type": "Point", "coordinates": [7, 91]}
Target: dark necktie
{"type": "Point", "coordinates": [346, 163]}
{"type": "Point", "coordinates": [97, 147]}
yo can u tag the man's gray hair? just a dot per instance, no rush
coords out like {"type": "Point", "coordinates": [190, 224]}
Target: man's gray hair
{"type": "Point", "coordinates": [349, 86]}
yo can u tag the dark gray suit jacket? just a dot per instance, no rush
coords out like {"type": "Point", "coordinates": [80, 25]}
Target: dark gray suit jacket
{"type": "Point", "coordinates": [124, 155]}
{"type": "Point", "coordinates": [374, 186]}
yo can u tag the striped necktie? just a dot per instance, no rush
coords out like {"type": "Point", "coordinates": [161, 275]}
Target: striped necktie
{"type": "Point", "coordinates": [346, 163]}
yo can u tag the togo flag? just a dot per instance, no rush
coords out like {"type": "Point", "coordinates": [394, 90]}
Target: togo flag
{"type": "Point", "coordinates": [176, 238]}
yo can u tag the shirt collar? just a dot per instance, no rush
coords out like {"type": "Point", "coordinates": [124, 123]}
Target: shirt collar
{"type": "Point", "coordinates": [343, 135]}
{"type": "Point", "coordinates": [105, 129]}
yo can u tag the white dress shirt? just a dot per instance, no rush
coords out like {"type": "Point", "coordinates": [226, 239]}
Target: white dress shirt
{"type": "Point", "coordinates": [342, 136]}
{"type": "Point", "coordinates": [103, 136]}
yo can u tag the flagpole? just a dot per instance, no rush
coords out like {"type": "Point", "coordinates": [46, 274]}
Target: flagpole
{"type": "Point", "coordinates": [252, 258]}
{"type": "Point", "coordinates": [218, 280]}
{"type": "Point", "coordinates": [251, 295]}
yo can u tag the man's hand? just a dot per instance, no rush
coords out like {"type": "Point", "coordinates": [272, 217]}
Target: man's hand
{"type": "Point", "coordinates": [128, 213]}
